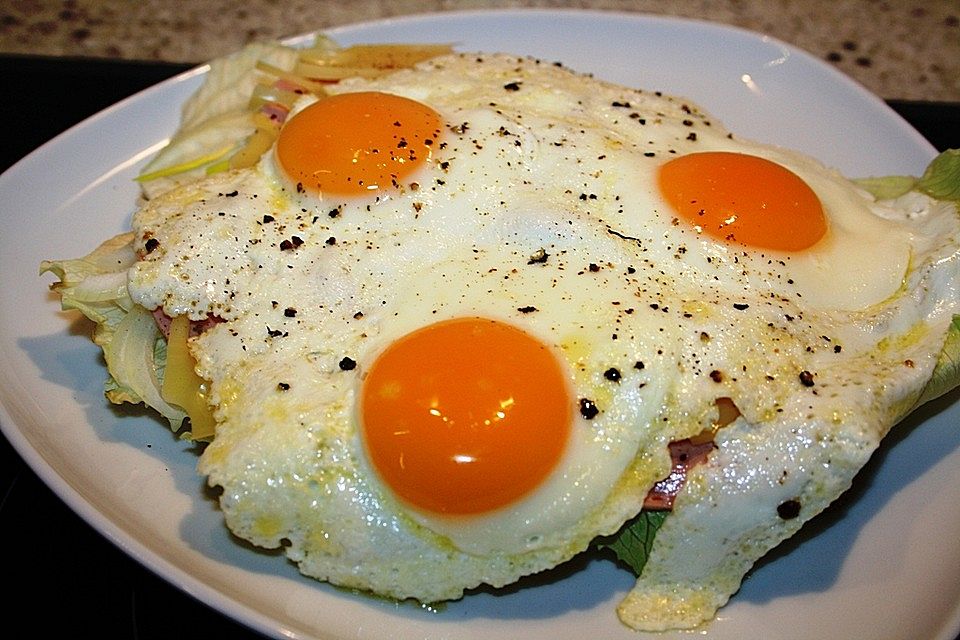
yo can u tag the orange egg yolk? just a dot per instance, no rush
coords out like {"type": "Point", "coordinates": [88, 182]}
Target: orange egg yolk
{"type": "Point", "coordinates": [465, 416]}
{"type": "Point", "coordinates": [745, 199]}
{"type": "Point", "coordinates": [355, 143]}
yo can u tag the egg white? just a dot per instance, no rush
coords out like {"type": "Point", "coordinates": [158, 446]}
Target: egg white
{"type": "Point", "coordinates": [541, 162]}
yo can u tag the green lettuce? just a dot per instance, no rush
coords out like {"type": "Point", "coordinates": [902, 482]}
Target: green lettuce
{"type": "Point", "coordinates": [632, 544]}
{"type": "Point", "coordinates": [940, 180]}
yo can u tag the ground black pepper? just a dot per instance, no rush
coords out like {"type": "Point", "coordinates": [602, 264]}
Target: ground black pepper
{"type": "Point", "coordinates": [789, 509]}
{"type": "Point", "coordinates": [588, 409]}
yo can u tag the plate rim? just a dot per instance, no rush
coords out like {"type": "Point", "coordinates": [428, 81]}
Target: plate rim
{"type": "Point", "coordinates": [116, 534]}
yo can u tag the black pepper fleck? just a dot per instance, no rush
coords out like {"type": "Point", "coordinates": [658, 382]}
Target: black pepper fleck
{"type": "Point", "coordinates": [588, 409]}
{"type": "Point", "coordinates": [292, 243]}
{"type": "Point", "coordinates": [789, 509]}
{"type": "Point", "coordinates": [612, 374]}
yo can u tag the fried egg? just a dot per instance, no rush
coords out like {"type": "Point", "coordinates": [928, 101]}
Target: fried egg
{"type": "Point", "coordinates": [463, 309]}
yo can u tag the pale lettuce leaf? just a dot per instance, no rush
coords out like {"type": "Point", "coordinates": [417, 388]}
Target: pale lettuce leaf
{"type": "Point", "coordinates": [946, 375]}
{"type": "Point", "coordinates": [940, 180]}
{"type": "Point", "coordinates": [133, 347]}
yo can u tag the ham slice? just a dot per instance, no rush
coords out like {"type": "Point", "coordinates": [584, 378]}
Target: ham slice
{"type": "Point", "coordinates": [685, 455]}
{"type": "Point", "coordinates": [196, 326]}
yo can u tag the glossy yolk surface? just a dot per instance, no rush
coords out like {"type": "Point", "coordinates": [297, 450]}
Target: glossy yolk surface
{"type": "Point", "coordinates": [465, 416]}
{"type": "Point", "coordinates": [744, 199]}
{"type": "Point", "coordinates": [355, 143]}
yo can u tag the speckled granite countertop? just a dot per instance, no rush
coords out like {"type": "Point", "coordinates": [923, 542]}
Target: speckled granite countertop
{"type": "Point", "coordinates": [899, 50]}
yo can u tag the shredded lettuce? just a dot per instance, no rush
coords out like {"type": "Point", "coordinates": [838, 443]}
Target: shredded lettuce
{"type": "Point", "coordinates": [188, 165]}
{"type": "Point", "coordinates": [216, 120]}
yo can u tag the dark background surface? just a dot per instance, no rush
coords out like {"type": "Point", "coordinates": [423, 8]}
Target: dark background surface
{"type": "Point", "coordinates": [63, 579]}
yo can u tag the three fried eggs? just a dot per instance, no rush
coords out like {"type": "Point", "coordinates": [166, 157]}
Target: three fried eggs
{"type": "Point", "coordinates": [454, 351]}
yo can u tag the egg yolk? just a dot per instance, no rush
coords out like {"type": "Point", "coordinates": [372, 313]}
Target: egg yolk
{"type": "Point", "coordinates": [355, 143]}
{"type": "Point", "coordinates": [745, 199]}
{"type": "Point", "coordinates": [465, 416]}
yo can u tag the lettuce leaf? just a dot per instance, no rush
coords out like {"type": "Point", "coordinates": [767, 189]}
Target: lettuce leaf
{"type": "Point", "coordinates": [946, 375]}
{"type": "Point", "coordinates": [216, 120]}
{"type": "Point", "coordinates": [632, 544]}
{"type": "Point", "coordinates": [133, 347]}
{"type": "Point", "coordinates": [135, 359]}
{"type": "Point", "coordinates": [888, 187]}
{"type": "Point", "coordinates": [940, 180]}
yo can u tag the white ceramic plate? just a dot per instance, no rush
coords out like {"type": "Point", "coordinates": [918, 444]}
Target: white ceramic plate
{"type": "Point", "coordinates": [885, 565]}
